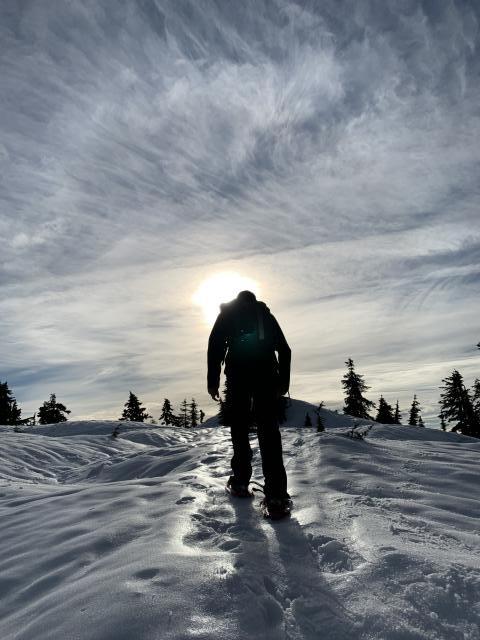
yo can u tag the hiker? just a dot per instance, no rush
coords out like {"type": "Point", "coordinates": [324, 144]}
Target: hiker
{"type": "Point", "coordinates": [245, 337]}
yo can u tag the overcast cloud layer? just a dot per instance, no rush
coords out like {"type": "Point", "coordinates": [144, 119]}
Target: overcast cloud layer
{"type": "Point", "coordinates": [329, 150]}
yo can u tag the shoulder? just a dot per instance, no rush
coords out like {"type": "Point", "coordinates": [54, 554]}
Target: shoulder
{"type": "Point", "coordinates": [263, 307]}
{"type": "Point", "coordinates": [226, 310]}
{"type": "Point", "coordinates": [225, 316]}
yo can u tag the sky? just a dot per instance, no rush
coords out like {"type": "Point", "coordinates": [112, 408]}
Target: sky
{"type": "Point", "coordinates": [328, 152]}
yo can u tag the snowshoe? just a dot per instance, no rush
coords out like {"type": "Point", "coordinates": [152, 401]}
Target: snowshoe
{"type": "Point", "coordinates": [238, 490]}
{"type": "Point", "coordinates": [276, 508]}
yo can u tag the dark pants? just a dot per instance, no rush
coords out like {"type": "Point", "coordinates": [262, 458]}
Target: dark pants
{"type": "Point", "coordinates": [257, 402]}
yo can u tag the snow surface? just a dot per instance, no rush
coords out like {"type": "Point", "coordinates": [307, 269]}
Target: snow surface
{"type": "Point", "coordinates": [134, 538]}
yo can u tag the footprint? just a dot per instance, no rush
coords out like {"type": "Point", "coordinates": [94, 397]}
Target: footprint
{"type": "Point", "coordinates": [146, 574]}
{"type": "Point", "coordinates": [210, 459]}
{"type": "Point", "coordinates": [196, 485]}
{"type": "Point", "coordinates": [185, 500]}
{"type": "Point", "coordinates": [219, 474]}
{"type": "Point", "coordinates": [213, 528]}
{"type": "Point", "coordinates": [229, 545]}
{"type": "Point", "coordinates": [334, 556]}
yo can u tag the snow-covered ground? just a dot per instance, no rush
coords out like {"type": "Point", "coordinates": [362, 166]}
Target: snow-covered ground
{"type": "Point", "coordinates": [134, 538]}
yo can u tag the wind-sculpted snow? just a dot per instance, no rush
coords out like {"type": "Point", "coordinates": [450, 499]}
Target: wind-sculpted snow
{"type": "Point", "coordinates": [134, 537]}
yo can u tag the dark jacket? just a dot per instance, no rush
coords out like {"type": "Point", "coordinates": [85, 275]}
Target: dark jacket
{"type": "Point", "coordinates": [246, 337]}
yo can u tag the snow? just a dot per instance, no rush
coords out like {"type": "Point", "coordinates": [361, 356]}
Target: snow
{"type": "Point", "coordinates": [135, 538]}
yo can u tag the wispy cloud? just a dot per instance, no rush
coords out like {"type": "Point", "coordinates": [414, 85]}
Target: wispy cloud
{"type": "Point", "coordinates": [330, 150]}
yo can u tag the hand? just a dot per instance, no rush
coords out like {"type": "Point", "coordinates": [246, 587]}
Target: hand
{"type": "Point", "coordinates": [282, 390]}
{"type": "Point", "coordinates": [213, 391]}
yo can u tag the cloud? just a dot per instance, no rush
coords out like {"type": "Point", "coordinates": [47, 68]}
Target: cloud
{"type": "Point", "coordinates": [329, 150]}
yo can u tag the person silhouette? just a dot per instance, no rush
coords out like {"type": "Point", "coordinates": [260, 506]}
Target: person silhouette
{"type": "Point", "coordinates": [247, 338]}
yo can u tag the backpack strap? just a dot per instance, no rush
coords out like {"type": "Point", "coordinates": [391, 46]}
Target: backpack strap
{"type": "Point", "coordinates": [261, 326]}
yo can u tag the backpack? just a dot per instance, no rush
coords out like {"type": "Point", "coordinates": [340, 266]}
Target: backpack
{"type": "Point", "coordinates": [250, 338]}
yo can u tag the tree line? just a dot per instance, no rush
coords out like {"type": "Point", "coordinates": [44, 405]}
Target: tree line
{"type": "Point", "coordinates": [190, 415]}
{"type": "Point", "coordinates": [459, 406]}
{"type": "Point", "coordinates": [53, 412]}
{"type": "Point", "coordinates": [50, 412]}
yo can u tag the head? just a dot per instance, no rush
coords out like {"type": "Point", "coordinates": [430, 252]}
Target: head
{"type": "Point", "coordinates": [246, 297]}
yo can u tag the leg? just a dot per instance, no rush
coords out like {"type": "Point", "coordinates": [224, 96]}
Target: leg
{"type": "Point", "coordinates": [239, 402]}
{"type": "Point", "coordinates": [270, 441]}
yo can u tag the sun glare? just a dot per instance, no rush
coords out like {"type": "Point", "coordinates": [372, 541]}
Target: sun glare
{"type": "Point", "coordinates": [221, 287]}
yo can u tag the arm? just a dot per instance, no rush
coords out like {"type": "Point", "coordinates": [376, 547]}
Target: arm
{"type": "Point", "coordinates": [217, 347]}
{"type": "Point", "coordinates": [284, 358]}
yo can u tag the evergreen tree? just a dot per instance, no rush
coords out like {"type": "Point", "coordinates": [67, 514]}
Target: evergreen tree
{"type": "Point", "coordinates": [167, 417]}
{"type": "Point", "coordinates": [133, 410]}
{"type": "Point", "coordinates": [193, 413]}
{"type": "Point", "coordinates": [457, 406]}
{"type": "Point", "coordinates": [476, 398]}
{"type": "Point", "coordinates": [355, 403]}
{"type": "Point", "coordinates": [183, 417]}
{"type": "Point", "coordinates": [202, 416]}
{"type": "Point", "coordinates": [420, 421]}
{"type": "Point", "coordinates": [385, 412]}
{"type": "Point", "coordinates": [308, 420]}
{"type": "Point", "coordinates": [52, 412]}
{"type": "Point", "coordinates": [397, 416]}
{"type": "Point", "coordinates": [414, 412]}
{"type": "Point", "coordinates": [9, 411]}
{"type": "Point", "coordinates": [320, 424]}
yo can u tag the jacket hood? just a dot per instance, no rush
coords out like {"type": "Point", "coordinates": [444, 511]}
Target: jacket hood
{"type": "Point", "coordinates": [237, 303]}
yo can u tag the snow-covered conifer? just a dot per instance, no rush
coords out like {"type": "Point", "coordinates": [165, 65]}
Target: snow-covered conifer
{"type": "Point", "coordinates": [133, 410]}
{"type": "Point", "coordinates": [457, 406]}
{"type": "Point", "coordinates": [167, 417]}
{"type": "Point", "coordinates": [182, 418]}
{"type": "Point", "coordinates": [9, 411]}
{"type": "Point", "coordinates": [414, 412]}
{"type": "Point", "coordinates": [397, 416]}
{"type": "Point", "coordinates": [52, 412]}
{"type": "Point", "coordinates": [476, 397]}
{"type": "Point", "coordinates": [320, 424]}
{"type": "Point", "coordinates": [355, 403]}
{"type": "Point", "coordinates": [193, 409]}
{"type": "Point", "coordinates": [385, 412]}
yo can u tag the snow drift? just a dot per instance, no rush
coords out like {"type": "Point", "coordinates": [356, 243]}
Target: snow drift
{"type": "Point", "coordinates": [135, 538]}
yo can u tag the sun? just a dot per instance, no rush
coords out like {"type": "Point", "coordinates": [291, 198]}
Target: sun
{"type": "Point", "coordinates": [221, 287]}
